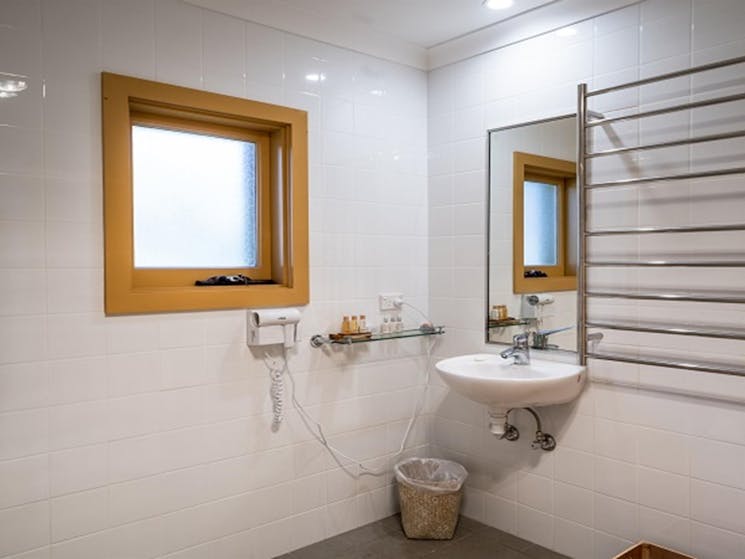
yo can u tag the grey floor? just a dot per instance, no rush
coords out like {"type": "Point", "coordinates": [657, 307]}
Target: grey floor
{"type": "Point", "coordinates": [385, 540]}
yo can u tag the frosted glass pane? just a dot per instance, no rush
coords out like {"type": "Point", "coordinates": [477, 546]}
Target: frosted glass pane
{"type": "Point", "coordinates": [194, 200]}
{"type": "Point", "coordinates": [540, 223]}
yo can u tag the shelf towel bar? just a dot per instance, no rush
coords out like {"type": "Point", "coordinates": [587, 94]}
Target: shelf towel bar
{"type": "Point", "coordinates": [670, 75]}
{"type": "Point", "coordinates": [720, 333]}
{"type": "Point", "coordinates": [692, 297]}
{"type": "Point", "coordinates": [669, 263]}
{"type": "Point", "coordinates": [671, 229]}
{"type": "Point", "coordinates": [671, 363]}
{"type": "Point", "coordinates": [670, 109]}
{"type": "Point", "coordinates": [669, 144]}
{"type": "Point", "coordinates": [658, 178]}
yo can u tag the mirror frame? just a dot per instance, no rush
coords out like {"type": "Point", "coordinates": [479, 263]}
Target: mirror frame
{"type": "Point", "coordinates": [487, 244]}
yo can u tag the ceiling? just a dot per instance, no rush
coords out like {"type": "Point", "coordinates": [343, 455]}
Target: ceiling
{"type": "Point", "coordinates": [424, 23]}
{"type": "Point", "coordinates": [410, 31]}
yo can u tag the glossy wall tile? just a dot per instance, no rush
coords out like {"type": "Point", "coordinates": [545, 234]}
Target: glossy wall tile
{"type": "Point", "coordinates": [150, 436]}
{"type": "Point", "coordinates": [633, 461]}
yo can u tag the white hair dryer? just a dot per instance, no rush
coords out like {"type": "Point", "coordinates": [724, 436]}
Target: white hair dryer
{"type": "Point", "coordinates": [272, 326]}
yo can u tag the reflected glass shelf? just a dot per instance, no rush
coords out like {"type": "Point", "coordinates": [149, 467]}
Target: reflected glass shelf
{"type": "Point", "coordinates": [508, 322]}
{"type": "Point", "coordinates": [319, 340]}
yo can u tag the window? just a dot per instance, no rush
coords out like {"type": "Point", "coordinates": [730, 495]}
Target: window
{"type": "Point", "coordinates": [195, 199]}
{"type": "Point", "coordinates": [541, 221]}
{"type": "Point", "coordinates": [542, 241]}
{"type": "Point", "coordinates": [199, 184]}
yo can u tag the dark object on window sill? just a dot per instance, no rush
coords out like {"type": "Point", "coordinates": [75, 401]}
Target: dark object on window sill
{"type": "Point", "coordinates": [534, 274]}
{"type": "Point", "coordinates": [238, 279]}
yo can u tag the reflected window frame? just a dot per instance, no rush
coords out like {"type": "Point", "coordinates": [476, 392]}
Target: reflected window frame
{"type": "Point", "coordinates": [527, 166]}
{"type": "Point", "coordinates": [541, 226]}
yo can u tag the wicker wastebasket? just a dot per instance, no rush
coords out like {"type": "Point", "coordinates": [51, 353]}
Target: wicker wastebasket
{"type": "Point", "coordinates": [646, 550]}
{"type": "Point", "coordinates": [430, 493]}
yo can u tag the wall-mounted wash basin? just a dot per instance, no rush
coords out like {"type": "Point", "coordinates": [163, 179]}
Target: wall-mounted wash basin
{"type": "Point", "coordinates": [500, 384]}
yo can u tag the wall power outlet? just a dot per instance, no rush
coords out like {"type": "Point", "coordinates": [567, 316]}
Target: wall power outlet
{"type": "Point", "coordinates": [390, 301]}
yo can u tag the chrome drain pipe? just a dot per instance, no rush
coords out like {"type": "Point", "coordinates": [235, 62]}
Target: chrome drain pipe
{"type": "Point", "coordinates": [542, 440]}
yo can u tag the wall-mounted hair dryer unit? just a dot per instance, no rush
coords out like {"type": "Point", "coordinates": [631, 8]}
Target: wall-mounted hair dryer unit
{"type": "Point", "coordinates": [542, 299]}
{"type": "Point", "coordinates": [272, 326]}
{"type": "Point", "coordinates": [532, 306]}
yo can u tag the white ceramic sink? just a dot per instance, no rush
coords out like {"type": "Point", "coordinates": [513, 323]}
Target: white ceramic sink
{"type": "Point", "coordinates": [494, 381]}
{"type": "Point", "coordinates": [501, 385]}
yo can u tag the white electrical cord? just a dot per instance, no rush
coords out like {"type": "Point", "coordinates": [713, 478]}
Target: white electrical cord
{"type": "Point", "coordinates": [316, 429]}
{"type": "Point", "coordinates": [277, 391]}
{"type": "Point", "coordinates": [417, 310]}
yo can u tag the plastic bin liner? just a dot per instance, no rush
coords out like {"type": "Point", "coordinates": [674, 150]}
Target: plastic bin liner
{"type": "Point", "coordinates": [431, 474]}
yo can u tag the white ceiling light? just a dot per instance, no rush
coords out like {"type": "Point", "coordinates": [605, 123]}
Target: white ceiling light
{"type": "Point", "coordinates": [567, 32]}
{"type": "Point", "coordinates": [12, 83]}
{"type": "Point", "coordinates": [315, 77]}
{"type": "Point", "coordinates": [498, 4]}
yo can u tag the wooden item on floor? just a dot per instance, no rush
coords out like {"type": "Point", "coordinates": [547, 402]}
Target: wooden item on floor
{"type": "Point", "coordinates": [646, 550]}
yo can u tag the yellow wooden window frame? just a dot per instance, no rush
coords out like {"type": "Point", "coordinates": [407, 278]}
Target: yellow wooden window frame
{"type": "Point", "coordinates": [280, 134]}
{"type": "Point", "coordinates": [562, 173]}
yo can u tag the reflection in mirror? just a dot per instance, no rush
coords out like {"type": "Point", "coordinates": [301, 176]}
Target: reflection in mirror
{"type": "Point", "coordinates": [541, 222]}
{"type": "Point", "coordinates": [532, 238]}
{"type": "Point", "coordinates": [543, 188]}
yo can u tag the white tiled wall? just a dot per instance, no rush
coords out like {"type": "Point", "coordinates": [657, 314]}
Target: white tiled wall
{"type": "Point", "coordinates": [633, 459]}
{"type": "Point", "coordinates": [150, 436]}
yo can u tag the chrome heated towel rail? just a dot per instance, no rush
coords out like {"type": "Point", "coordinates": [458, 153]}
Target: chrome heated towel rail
{"type": "Point", "coordinates": [589, 120]}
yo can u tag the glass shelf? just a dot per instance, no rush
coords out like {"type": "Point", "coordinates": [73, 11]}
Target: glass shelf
{"type": "Point", "coordinates": [508, 322]}
{"type": "Point", "coordinates": [319, 340]}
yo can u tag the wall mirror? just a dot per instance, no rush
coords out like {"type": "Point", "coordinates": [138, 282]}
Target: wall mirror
{"type": "Point", "coordinates": [532, 234]}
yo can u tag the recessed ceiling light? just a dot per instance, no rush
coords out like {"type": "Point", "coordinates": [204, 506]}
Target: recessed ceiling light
{"type": "Point", "coordinates": [567, 32]}
{"type": "Point", "coordinates": [7, 94]}
{"type": "Point", "coordinates": [498, 4]}
{"type": "Point", "coordinates": [11, 83]}
{"type": "Point", "coordinates": [315, 77]}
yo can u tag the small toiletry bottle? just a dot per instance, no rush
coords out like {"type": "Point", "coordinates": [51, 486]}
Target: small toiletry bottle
{"type": "Point", "coordinates": [385, 328]}
{"type": "Point", "coordinates": [345, 325]}
{"type": "Point", "coordinates": [494, 313]}
{"type": "Point", "coordinates": [362, 323]}
{"type": "Point", "coordinates": [354, 326]}
{"type": "Point", "coordinates": [502, 312]}
{"type": "Point", "coordinates": [399, 324]}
